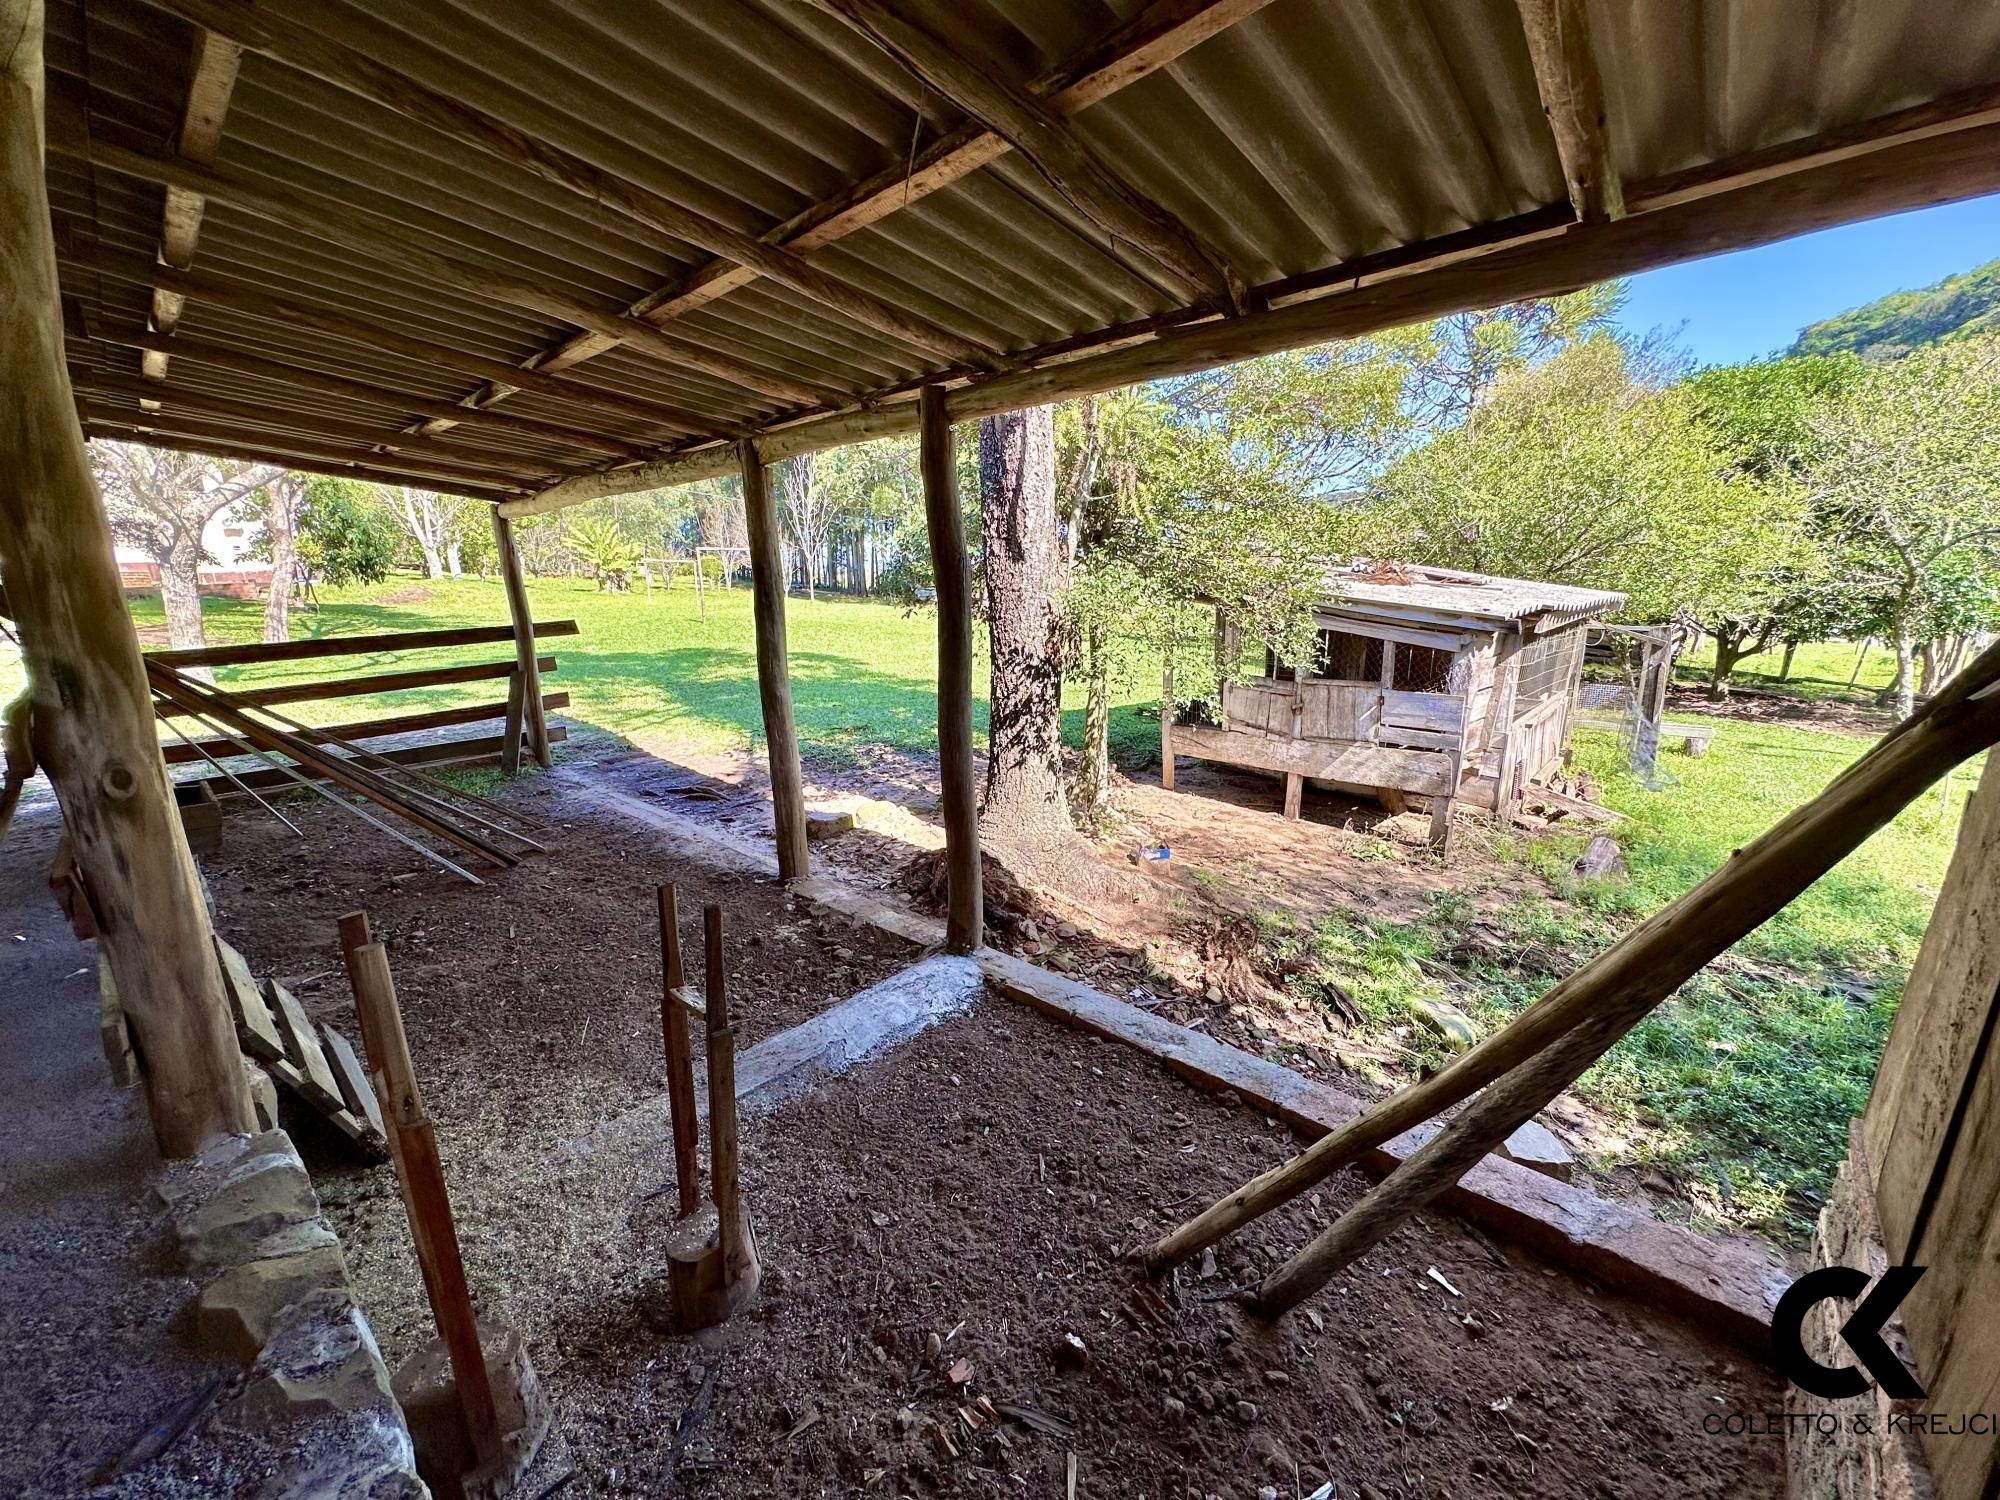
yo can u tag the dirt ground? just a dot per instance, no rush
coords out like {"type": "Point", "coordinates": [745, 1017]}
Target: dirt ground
{"type": "Point", "coordinates": [975, 1188]}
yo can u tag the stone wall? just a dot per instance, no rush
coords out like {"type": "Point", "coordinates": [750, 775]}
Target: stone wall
{"type": "Point", "coordinates": [1845, 1450]}
{"type": "Point", "coordinates": [274, 1293]}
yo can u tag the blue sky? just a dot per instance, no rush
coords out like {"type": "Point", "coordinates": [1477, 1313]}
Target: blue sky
{"type": "Point", "coordinates": [1754, 302]}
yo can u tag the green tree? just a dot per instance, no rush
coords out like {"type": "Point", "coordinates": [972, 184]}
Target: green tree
{"type": "Point", "coordinates": [1906, 476]}
{"type": "Point", "coordinates": [1966, 305]}
{"type": "Point", "coordinates": [605, 551]}
{"type": "Point", "coordinates": [346, 532]}
{"type": "Point", "coordinates": [1576, 473]}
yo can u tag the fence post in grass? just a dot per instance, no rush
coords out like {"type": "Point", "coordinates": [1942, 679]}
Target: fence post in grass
{"type": "Point", "coordinates": [774, 685]}
{"type": "Point", "coordinates": [964, 922]}
{"type": "Point", "coordinates": [528, 677]}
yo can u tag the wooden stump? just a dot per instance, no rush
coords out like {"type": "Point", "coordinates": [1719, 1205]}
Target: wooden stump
{"type": "Point", "coordinates": [704, 1294]}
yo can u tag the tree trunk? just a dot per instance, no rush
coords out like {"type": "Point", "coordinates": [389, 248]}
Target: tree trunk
{"type": "Point", "coordinates": [1024, 576]}
{"type": "Point", "coordinates": [1728, 652]}
{"type": "Point", "coordinates": [1927, 659]}
{"type": "Point", "coordinates": [451, 558]}
{"type": "Point", "coordinates": [1785, 666]}
{"type": "Point", "coordinates": [180, 591]}
{"type": "Point", "coordinates": [1904, 687]}
{"type": "Point", "coordinates": [281, 514]}
{"type": "Point", "coordinates": [91, 721]}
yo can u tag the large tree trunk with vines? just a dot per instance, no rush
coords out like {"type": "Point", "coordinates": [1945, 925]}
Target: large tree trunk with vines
{"type": "Point", "coordinates": [180, 591]}
{"type": "Point", "coordinates": [91, 719]}
{"type": "Point", "coordinates": [1025, 572]}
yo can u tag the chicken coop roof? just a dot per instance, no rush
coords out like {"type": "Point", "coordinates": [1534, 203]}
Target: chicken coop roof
{"type": "Point", "coordinates": [538, 253]}
{"type": "Point", "coordinates": [1438, 596]}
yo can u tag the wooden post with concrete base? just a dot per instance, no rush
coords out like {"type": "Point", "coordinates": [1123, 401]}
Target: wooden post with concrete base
{"type": "Point", "coordinates": [965, 923]}
{"type": "Point", "coordinates": [90, 714]}
{"type": "Point", "coordinates": [774, 683]}
{"type": "Point", "coordinates": [525, 687]}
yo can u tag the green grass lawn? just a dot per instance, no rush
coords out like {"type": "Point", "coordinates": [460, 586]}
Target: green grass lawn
{"type": "Point", "coordinates": [1743, 1084]}
{"type": "Point", "coordinates": [1820, 669]}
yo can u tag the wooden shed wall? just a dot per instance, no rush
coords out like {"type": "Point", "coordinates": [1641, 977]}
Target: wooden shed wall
{"type": "Point", "coordinates": [1933, 1135]}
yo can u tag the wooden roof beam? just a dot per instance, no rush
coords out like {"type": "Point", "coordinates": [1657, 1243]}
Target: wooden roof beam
{"type": "Point", "coordinates": [334, 429]}
{"type": "Point", "coordinates": [1572, 93]}
{"type": "Point", "coordinates": [218, 441]}
{"type": "Point", "coordinates": [393, 245]}
{"type": "Point", "coordinates": [1197, 271]}
{"type": "Point", "coordinates": [1921, 158]}
{"type": "Point", "coordinates": [290, 313]}
{"type": "Point", "coordinates": [216, 357]}
{"type": "Point", "coordinates": [213, 79]}
{"type": "Point", "coordinates": [263, 30]}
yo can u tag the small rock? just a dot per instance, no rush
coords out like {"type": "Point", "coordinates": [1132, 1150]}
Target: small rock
{"type": "Point", "coordinates": [1175, 1408]}
{"type": "Point", "coordinates": [1070, 1353]}
{"type": "Point", "coordinates": [235, 1313]}
{"type": "Point", "coordinates": [321, 1359]}
{"type": "Point", "coordinates": [1655, 1182]}
{"type": "Point", "coordinates": [1535, 1146]}
{"type": "Point", "coordinates": [1246, 1412]}
{"type": "Point", "coordinates": [262, 1193]}
{"type": "Point", "coordinates": [822, 823]}
{"type": "Point", "coordinates": [933, 1345]}
{"type": "Point", "coordinates": [1602, 859]}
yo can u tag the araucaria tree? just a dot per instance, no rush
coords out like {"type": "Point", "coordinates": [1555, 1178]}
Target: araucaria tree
{"type": "Point", "coordinates": [159, 502]}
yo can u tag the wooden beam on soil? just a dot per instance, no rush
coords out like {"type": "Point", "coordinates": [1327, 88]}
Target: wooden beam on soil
{"type": "Point", "coordinates": [270, 33]}
{"type": "Point", "coordinates": [1196, 271]}
{"type": "Point", "coordinates": [424, 1196]}
{"type": "Point", "coordinates": [213, 79]}
{"type": "Point", "coordinates": [1936, 160]}
{"type": "Point", "coordinates": [774, 683]}
{"type": "Point", "coordinates": [87, 697]}
{"type": "Point", "coordinates": [965, 925]}
{"type": "Point", "coordinates": [1572, 91]}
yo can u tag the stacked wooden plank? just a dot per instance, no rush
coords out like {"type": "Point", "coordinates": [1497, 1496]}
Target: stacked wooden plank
{"type": "Point", "coordinates": [317, 1064]}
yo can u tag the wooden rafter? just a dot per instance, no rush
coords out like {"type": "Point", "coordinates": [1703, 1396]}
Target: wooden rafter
{"type": "Point", "coordinates": [264, 31]}
{"type": "Point", "coordinates": [220, 441]}
{"type": "Point", "coordinates": [213, 80]}
{"type": "Point", "coordinates": [1197, 271]}
{"type": "Point", "coordinates": [1156, 36]}
{"type": "Point", "coordinates": [1572, 93]}
{"type": "Point", "coordinates": [300, 378]}
{"type": "Point", "coordinates": [1920, 158]}
{"type": "Point", "coordinates": [395, 245]}
{"type": "Point", "coordinates": [290, 312]}
{"type": "Point", "coordinates": [360, 435]}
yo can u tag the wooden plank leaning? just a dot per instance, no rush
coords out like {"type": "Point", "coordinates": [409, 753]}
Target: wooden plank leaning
{"type": "Point", "coordinates": [1607, 996]}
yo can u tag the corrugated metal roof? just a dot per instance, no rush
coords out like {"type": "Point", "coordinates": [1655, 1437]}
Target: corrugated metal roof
{"type": "Point", "coordinates": [1305, 134]}
{"type": "Point", "coordinates": [1443, 595]}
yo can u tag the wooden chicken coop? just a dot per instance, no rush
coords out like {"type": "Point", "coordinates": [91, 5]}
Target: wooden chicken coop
{"type": "Point", "coordinates": [1450, 686]}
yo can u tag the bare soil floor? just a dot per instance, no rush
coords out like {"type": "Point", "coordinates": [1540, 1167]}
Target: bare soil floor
{"type": "Point", "coordinates": [965, 1199]}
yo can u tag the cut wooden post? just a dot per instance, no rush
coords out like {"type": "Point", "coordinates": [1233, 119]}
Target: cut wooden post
{"type": "Point", "coordinates": [965, 925]}
{"type": "Point", "coordinates": [89, 707]}
{"type": "Point", "coordinates": [1656, 958]}
{"type": "Point", "coordinates": [680, 1056]}
{"type": "Point", "coordinates": [1295, 794]}
{"type": "Point", "coordinates": [1167, 727]}
{"type": "Point", "coordinates": [737, 1258]}
{"type": "Point", "coordinates": [527, 681]}
{"type": "Point", "coordinates": [510, 733]}
{"type": "Point", "coordinates": [1440, 834]}
{"type": "Point", "coordinates": [774, 684]}
{"type": "Point", "coordinates": [422, 1178]}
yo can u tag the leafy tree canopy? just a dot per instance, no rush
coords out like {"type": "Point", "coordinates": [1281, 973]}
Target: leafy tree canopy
{"type": "Point", "coordinates": [1966, 305]}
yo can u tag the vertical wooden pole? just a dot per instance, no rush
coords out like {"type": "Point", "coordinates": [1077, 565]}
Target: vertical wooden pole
{"type": "Point", "coordinates": [965, 918]}
{"type": "Point", "coordinates": [1167, 727]}
{"type": "Point", "coordinates": [1295, 795]}
{"type": "Point", "coordinates": [700, 588]}
{"type": "Point", "coordinates": [774, 684]}
{"type": "Point", "coordinates": [424, 1194]}
{"type": "Point", "coordinates": [529, 675]}
{"type": "Point", "coordinates": [724, 1183]}
{"type": "Point", "coordinates": [680, 1056]}
{"type": "Point", "coordinates": [90, 714]}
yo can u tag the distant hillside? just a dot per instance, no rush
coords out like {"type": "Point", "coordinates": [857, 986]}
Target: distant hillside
{"type": "Point", "coordinates": [1892, 326]}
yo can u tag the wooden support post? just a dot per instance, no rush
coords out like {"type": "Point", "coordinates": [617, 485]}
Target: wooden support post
{"type": "Point", "coordinates": [1635, 974]}
{"type": "Point", "coordinates": [965, 917]}
{"type": "Point", "coordinates": [680, 1056]}
{"type": "Point", "coordinates": [89, 712]}
{"type": "Point", "coordinates": [1167, 727]}
{"type": "Point", "coordinates": [1295, 794]}
{"type": "Point", "coordinates": [510, 735]}
{"type": "Point", "coordinates": [738, 1258]}
{"type": "Point", "coordinates": [774, 685]}
{"type": "Point", "coordinates": [528, 675]}
{"type": "Point", "coordinates": [1440, 834]}
{"type": "Point", "coordinates": [424, 1196]}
